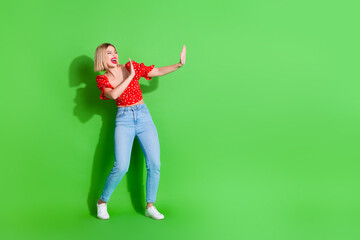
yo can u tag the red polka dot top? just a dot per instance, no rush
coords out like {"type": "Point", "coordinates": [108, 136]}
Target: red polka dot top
{"type": "Point", "coordinates": [132, 93]}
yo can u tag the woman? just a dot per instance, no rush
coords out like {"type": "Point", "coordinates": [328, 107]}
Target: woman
{"type": "Point", "coordinates": [121, 83]}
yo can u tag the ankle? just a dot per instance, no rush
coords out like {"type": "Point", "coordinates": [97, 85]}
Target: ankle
{"type": "Point", "coordinates": [100, 201]}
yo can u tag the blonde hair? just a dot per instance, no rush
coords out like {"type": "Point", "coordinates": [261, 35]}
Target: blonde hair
{"type": "Point", "coordinates": [100, 57]}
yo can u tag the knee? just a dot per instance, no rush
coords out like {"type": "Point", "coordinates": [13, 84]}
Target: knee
{"type": "Point", "coordinates": [154, 166]}
{"type": "Point", "coordinates": [119, 170]}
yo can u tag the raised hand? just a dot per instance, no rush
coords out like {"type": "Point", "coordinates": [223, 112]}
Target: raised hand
{"type": "Point", "coordinates": [183, 56]}
{"type": "Point", "coordinates": [132, 71]}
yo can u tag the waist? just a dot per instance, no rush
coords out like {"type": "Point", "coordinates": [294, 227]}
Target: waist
{"type": "Point", "coordinates": [129, 105]}
{"type": "Point", "coordinates": [136, 107]}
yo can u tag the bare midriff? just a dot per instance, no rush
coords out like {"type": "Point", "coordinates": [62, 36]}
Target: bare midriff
{"type": "Point", "coordinates": [138, 103]}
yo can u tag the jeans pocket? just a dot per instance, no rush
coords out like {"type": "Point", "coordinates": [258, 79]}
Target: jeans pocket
{"type": "Point", "coordinates": [120, 114]}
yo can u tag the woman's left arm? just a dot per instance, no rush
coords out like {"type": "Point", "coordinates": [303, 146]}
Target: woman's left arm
{"type": "Point", "coordinates": [161, 71]}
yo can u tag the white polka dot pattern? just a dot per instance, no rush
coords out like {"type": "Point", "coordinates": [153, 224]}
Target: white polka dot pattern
{"type": "Point", "coordinates": [132, 93]}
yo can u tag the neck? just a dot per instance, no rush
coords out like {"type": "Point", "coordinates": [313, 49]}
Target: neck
{"type": "Point", "coordinates": [115, 71]}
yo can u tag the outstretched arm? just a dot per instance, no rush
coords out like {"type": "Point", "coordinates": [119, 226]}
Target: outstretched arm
{"type": "Point", "coordinates": [161, 71]}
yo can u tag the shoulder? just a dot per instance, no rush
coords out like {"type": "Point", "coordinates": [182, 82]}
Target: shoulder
{"type": "Point", "coordinates": [102, 80]}
{"type": "Point", "coordinates": [100, 76]}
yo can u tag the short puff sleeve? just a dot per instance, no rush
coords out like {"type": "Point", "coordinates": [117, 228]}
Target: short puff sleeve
{"type": "Point", "coordinates": [102, 83]}
{"type": "Point", "coordinates": [144, 70]}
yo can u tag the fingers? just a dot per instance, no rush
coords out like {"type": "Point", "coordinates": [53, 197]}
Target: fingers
{"type": "Point", "coordinates": [182, 55]}
{"type": "Point", "coordinates": [131, 65]}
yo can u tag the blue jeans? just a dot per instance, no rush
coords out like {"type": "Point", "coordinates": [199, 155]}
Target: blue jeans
{"type": "Point", "coordinates": [130, 122]}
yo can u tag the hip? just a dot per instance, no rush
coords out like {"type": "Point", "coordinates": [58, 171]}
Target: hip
{"type": "Point", "coordinates": [136, 114]}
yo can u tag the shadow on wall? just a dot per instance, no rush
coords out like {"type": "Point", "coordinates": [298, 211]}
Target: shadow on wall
{"type": "Point", "coordinates": [82, 77]}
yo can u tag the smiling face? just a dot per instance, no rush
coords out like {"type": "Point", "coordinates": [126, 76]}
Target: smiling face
{"type": "Point", "coordinates": [111, 57]}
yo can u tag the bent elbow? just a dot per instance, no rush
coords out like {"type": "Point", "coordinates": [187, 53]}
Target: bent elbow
{"type": "Point", "coordinates": [112, 96]}
{"type": "Point", "coordinates": [109, 95]}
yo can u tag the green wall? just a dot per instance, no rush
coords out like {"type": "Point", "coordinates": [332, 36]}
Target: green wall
{"type": "Point", "coordinates": [259, 131]}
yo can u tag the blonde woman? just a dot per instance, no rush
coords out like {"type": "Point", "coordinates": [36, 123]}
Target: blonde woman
{"type": "Point", "coordinates": [121, 83]}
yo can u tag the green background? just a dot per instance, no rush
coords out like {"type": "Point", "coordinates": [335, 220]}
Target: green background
{"type": "Point", "coordinates": [259, 131]}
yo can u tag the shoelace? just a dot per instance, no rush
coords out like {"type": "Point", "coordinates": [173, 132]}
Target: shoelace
{"type": "Point", "coordinates": [156, 211]}
{"type": "Point", "coordinates": [103, 209]}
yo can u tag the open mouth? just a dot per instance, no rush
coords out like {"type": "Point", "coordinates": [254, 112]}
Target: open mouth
{"type": "Point", "coordinates": [114, 60]}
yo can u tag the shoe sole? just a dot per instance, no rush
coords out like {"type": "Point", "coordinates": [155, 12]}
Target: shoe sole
{"type": "Point", "coordinates": [154, 218]}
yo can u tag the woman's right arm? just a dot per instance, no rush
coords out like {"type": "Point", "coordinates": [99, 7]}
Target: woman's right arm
{"type": "Point", "coordinates": [116, 92]}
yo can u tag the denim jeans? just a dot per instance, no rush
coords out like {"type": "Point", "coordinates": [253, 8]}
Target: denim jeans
{"type": "Point", "coordinates": [130, 122]}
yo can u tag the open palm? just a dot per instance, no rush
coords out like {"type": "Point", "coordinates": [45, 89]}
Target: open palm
{"type": "Point", "coordinates": [183, 56]}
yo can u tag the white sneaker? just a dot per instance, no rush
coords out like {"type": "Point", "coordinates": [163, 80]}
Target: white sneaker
{"type": "Point", "coordinates": [154, 213]}
{"type": "Point", "coordinates": [102, 211]}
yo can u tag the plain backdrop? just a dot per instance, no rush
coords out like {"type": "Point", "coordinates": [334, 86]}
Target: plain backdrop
{"type": "Point", "coordinates": [259, 131]}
